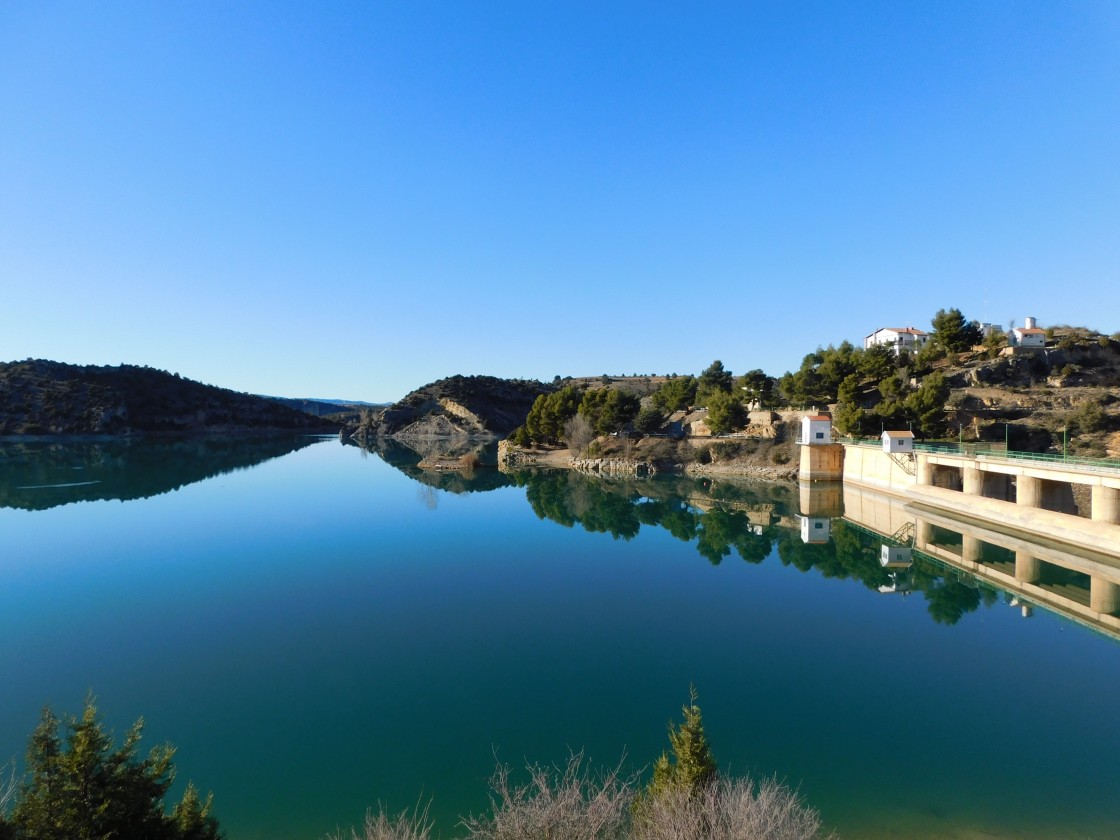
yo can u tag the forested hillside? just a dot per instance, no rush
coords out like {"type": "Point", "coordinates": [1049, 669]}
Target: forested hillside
{"type": "Point", "coordinates": [39, 397]}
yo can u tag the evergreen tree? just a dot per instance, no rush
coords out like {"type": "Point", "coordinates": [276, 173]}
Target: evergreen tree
{"type": "Point", "coordinates": [849, 414]}
{"type": "Point", "coordinates": [692, 766]}
{"type": "Point", "coordinates": [952, 332]}
{"type": "Point", "coordinates": [725, 413]}
{"type": "Point", "coordinates": [927, 404]}
{"type": "Point", "coordinates": [713, 380]}
{"type": "Point", "coordinates": [81, 788]}
{"type": "Point", "coordinates": [609, 409]}
{"type": "Point", "coordinates": [758, 387]}
{"type": "Point", "coordinates": [650, 419]}
{"type": "Point", "coordinates": [676, 395]}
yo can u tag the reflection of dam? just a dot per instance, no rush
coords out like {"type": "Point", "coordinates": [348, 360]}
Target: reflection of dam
{"type": "Point", "coordinates": [1077, 582]}
{"type": "Point", "coordinates": [1077, 500]}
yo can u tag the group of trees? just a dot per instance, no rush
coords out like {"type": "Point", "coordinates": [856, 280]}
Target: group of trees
{"type": "Point", "coordinates": [727, 399]}
{"type": "Point", "coordinates": [570, 414]}
{"type": "Point", "coordinates": [80, 787]}
{"type": "Point", "coordinates": [874, 388]}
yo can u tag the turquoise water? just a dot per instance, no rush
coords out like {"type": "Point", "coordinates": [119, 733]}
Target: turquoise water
{"type": "Point", "coordinates": [319, 632]}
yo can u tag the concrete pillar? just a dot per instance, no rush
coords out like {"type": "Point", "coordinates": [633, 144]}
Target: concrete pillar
{"type": "Point", "coordinates": [1106, 504]}
{"type": "Point", "coordinates": [922, 530]}
{"type": "Point", "coordinates": [822, 462]}
{"type": "Point", "coordinates": [973, 480]}
{"type": "Point", "coordinates": [1028, 491]}
{"type": "Point", "coordinates": [1028, 569]}
{"type": "Point", "coordinates": [1104, 596]}
{"type": "Point", "coordinates": [822, 498]}
{"type": "Point", "coordinates": [925, 472]}
{"type": "Point", "coordinates": [970, 550]}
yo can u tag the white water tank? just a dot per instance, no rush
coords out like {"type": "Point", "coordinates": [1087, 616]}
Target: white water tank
{"type": "Point", "coordinates": [1030, 322]}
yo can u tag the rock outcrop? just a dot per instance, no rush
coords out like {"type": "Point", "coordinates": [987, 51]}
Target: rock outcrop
{"type": "Point", "coordinates": [466, 408]}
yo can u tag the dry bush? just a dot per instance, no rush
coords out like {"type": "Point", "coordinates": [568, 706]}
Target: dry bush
{"type": "Point", "coordinates": [8, 785]}
{"type": "Point", "coordinates": [380, 826]}
{"type": "Point", "coordinates": [729, 809]}
{"type": "Point", "coordinates": [571, 803]}
{"type": "Point", "coordinates": [557, 803]}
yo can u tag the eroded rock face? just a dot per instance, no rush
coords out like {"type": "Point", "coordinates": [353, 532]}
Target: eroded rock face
{"type": "Point", "coordinates": [477, 407]}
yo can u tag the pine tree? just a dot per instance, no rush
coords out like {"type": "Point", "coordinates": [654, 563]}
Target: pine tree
{"type": "Point", "coordinates": [692, 767]}
{"type": "Point", "coordinates": [81, 788]}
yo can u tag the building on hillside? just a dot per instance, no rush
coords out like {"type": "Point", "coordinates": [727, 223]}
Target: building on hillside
{"type": "Point", "coordinates": [1028, 335]}
{"type": "Point", "coordinates": [898, 442]}
{"type": "Point", "coordinates": [897, 338]}
{"type": "Point", "coordinates": [816, 429]}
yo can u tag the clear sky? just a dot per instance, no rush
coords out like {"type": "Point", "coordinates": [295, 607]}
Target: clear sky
{"type": "Point", "coordinates": [350, 200]}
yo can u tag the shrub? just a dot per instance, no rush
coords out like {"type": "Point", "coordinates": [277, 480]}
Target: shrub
{"type": "Point", "coordinates": [568, 803]}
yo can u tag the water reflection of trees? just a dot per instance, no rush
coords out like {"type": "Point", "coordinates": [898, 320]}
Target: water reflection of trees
{"type": "Point", "coordinates": [37, 475]}
{"type": "Point", "coordinates": [751, 520]}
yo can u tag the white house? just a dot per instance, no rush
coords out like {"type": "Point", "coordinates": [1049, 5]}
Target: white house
{"type": "Point", "coordinates": [1028, 335]}
{"type": "Point", "coordinates": [897, 338]}
{"type": "Point", "coordinates": [898, 442]}
{"type": "Point", "coordinates": [816, 429]}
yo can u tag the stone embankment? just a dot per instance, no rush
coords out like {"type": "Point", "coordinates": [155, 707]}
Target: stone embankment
{"type": "Point", "coordinates": [612, 466]}
{"type": "Point", "coordinates": [511, 457]}
{"type": "Point", "coordinates": [765, 472]}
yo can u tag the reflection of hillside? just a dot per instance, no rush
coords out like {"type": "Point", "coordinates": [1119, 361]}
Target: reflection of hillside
{"type": "Point", "coordinates": [407, 458]}
{"type": "Point", "coordinates": [37, 475]}
{"type": "Point", "coordinates": [753, 520]}
{"type": "Point", "coordinates": [720, 517]}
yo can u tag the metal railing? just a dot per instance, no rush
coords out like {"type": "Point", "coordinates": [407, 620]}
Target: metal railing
{"type": "Point", "coordinates": [996, 450]}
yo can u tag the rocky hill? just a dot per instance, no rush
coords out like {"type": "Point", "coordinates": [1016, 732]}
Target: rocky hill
{"type": "Point", "coordinates": [39, 397]}
{"type": "Point", "coordinates": [1064, 394]}
{"type": "Point", "coordinates": [459, 407]}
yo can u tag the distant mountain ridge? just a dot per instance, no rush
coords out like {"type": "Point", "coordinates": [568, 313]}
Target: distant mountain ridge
{"type": "Point", "coordinates": [42, 397]}
{"type": "Point", "coordinates": [323, 407]}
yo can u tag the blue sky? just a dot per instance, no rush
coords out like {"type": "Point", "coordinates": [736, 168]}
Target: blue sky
{"type": "Point", "coordinates": [353, 199]}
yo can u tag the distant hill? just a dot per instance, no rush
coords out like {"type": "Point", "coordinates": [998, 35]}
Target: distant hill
{"type": "Point", "coordinates": [40, 397]}
{"type": "Point", "coordinates": [324, 407]}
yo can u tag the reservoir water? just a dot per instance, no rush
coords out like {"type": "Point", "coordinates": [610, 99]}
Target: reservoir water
{"type": "Point", "coordinates": [319, 630]}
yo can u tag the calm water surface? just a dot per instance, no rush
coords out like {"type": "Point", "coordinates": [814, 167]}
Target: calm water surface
{"type": "Point", "coordinates": [319, 632]}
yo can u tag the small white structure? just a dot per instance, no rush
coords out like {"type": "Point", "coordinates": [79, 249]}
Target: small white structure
{"type": "Point", "coordinates": [815, 530]}
{"type": "Point", "coordinates": [816, 429]}
{"type": "Point", "coordinates": [895, 557]}
{"type": "Point", "coordinates": [894, 442]}
{"type": "Point", "coordinates": [899, 584]}
{"type": "Point", "coordinates": [1028, 335]}
{"type": "Point", "coordinates": [897, 338]}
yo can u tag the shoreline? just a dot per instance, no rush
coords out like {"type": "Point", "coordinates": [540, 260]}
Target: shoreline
{"type": "Point", "coordinates": [511, 457]}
